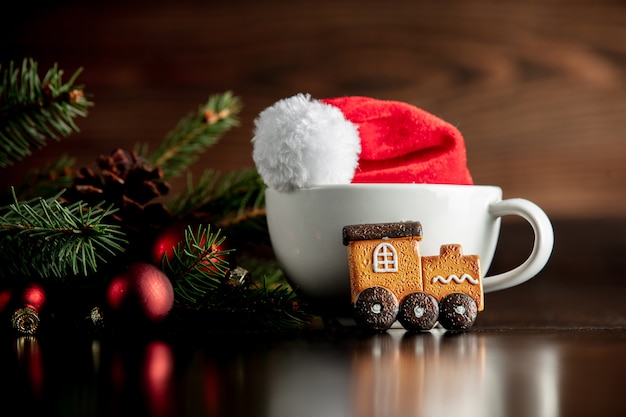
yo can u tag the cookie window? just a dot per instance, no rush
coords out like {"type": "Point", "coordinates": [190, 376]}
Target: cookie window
{"type": "Point", "coordinates": [385, 258]}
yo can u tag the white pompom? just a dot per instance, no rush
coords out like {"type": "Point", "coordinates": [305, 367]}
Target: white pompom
{"type": "Point", "coordinates": [299, 142]}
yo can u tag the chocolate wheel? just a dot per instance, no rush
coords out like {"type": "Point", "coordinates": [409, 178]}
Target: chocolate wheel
{"type": "Point", "coordinates": [457, 311]}
{"type": "Point", "coordinates": [418, 312]}
{"type": "Point", "coordinates": [375, 309]}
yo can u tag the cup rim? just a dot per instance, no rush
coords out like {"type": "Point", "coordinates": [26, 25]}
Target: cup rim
{"type": "Point", "coordinates": [385, 185]}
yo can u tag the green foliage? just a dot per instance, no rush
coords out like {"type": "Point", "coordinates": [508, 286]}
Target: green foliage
{"type": "Point", "coordinates": [47, 234]}
{"type": "Point", "coordinates": [195, 133]}
{"type": "Point", "coordinates": [197, 265]}
{"type": "Point", "coordinates": [44, 238]}
{"type": "Point", "coordinates": [35, 109]}
{"type": "Point", "coordinates": [199, 271]}
{"type": "Point", "coordinates": [47, 180]}
{"type": "Point", "coordinates": [233, 201]}
{"type": "Point", "coordinates": [255, 308]}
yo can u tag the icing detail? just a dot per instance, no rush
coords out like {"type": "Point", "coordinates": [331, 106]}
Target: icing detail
{"type": "Point", "coordinates": [453, 277]}
{"type": "Point", "coordinates": [385, 258]}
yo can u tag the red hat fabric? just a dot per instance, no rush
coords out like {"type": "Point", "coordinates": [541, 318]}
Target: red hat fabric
{"type": "Point", "coordinates": [300, 142]}
{"type": "Point", "coordinates": [401, 143]}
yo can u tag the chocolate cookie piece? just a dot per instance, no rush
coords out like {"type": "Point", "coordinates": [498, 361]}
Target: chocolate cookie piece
{"type": "Point", "coordinates": [376, 309]}
{"type": "Point", "coordinates": [457, 311]}
{"type": "Point", "coordinates": [371, 231]}
{"type": "Point", "coordinates": [418, 312]}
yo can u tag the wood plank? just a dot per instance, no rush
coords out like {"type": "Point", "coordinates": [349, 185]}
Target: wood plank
{"type": "Point", "coordinates": [536, 87]}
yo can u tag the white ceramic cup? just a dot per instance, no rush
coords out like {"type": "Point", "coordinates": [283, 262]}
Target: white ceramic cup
{"type": "Point", "coordinates": [305, 228]}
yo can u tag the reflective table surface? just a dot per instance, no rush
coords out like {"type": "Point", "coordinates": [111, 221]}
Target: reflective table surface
{"type": "Point", "coordinates": [479, 373]}
{"type": "Point", "coordinates": [553, 346]}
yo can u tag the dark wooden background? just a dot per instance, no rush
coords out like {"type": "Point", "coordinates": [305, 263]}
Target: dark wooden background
{"type": "Point", "coordinates": [538, 88]}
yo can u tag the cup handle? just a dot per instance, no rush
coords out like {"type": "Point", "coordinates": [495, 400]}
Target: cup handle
{"type": "Point", "coordinates": [542, 247]}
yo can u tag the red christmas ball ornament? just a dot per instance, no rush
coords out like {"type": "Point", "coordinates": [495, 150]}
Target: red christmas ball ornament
{"type": "Point", "coordinates": [6, 295]}
{"type": "Point", "coordinates": [224, 257]}
{"type": "Point", "coordinates": [174, 235]}
{"type": "Point", "coordinates": [142, 289]}
{"type": "Point", "coordinates": [166, 241]}
{"type": "Point", "coordinates": [34, 296]}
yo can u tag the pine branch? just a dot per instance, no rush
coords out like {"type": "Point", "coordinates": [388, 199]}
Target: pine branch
{"type": "Point", "coordinates": [264, 272]}
{"type": "Point", "coordinates": [278, 306]}
{"type": "Point", "coordinates": [197, 265]}
{"type": "Point", "coordinates": [194, 134]}
{"type": "Point", "coordinates": [201, 285]}
{"type": "Point", "coordinates": [33, 110]}
{"type": "Point", "coordinates": [234, 202]}
{"type": "Point", "coordinates": [258, 309]}
{"type": "Point", "coordinates": [46, 239]}
{"type": "Point", "coordinates": [47, 180]}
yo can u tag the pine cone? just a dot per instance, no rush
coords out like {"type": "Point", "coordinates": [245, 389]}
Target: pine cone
{"type": "Point", "coordinates": [127, 182]}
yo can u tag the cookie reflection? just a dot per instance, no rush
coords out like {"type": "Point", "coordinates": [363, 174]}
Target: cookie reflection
{"type": "Point", "coordinates": [401, 374]}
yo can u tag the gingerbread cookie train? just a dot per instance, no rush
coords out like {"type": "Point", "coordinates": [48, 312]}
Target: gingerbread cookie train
{"type": "Point", "coordinates": [390, 280]}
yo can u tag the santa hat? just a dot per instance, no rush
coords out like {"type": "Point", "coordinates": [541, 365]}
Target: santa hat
{"type": "Point", "coordinates": [300, 142]}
